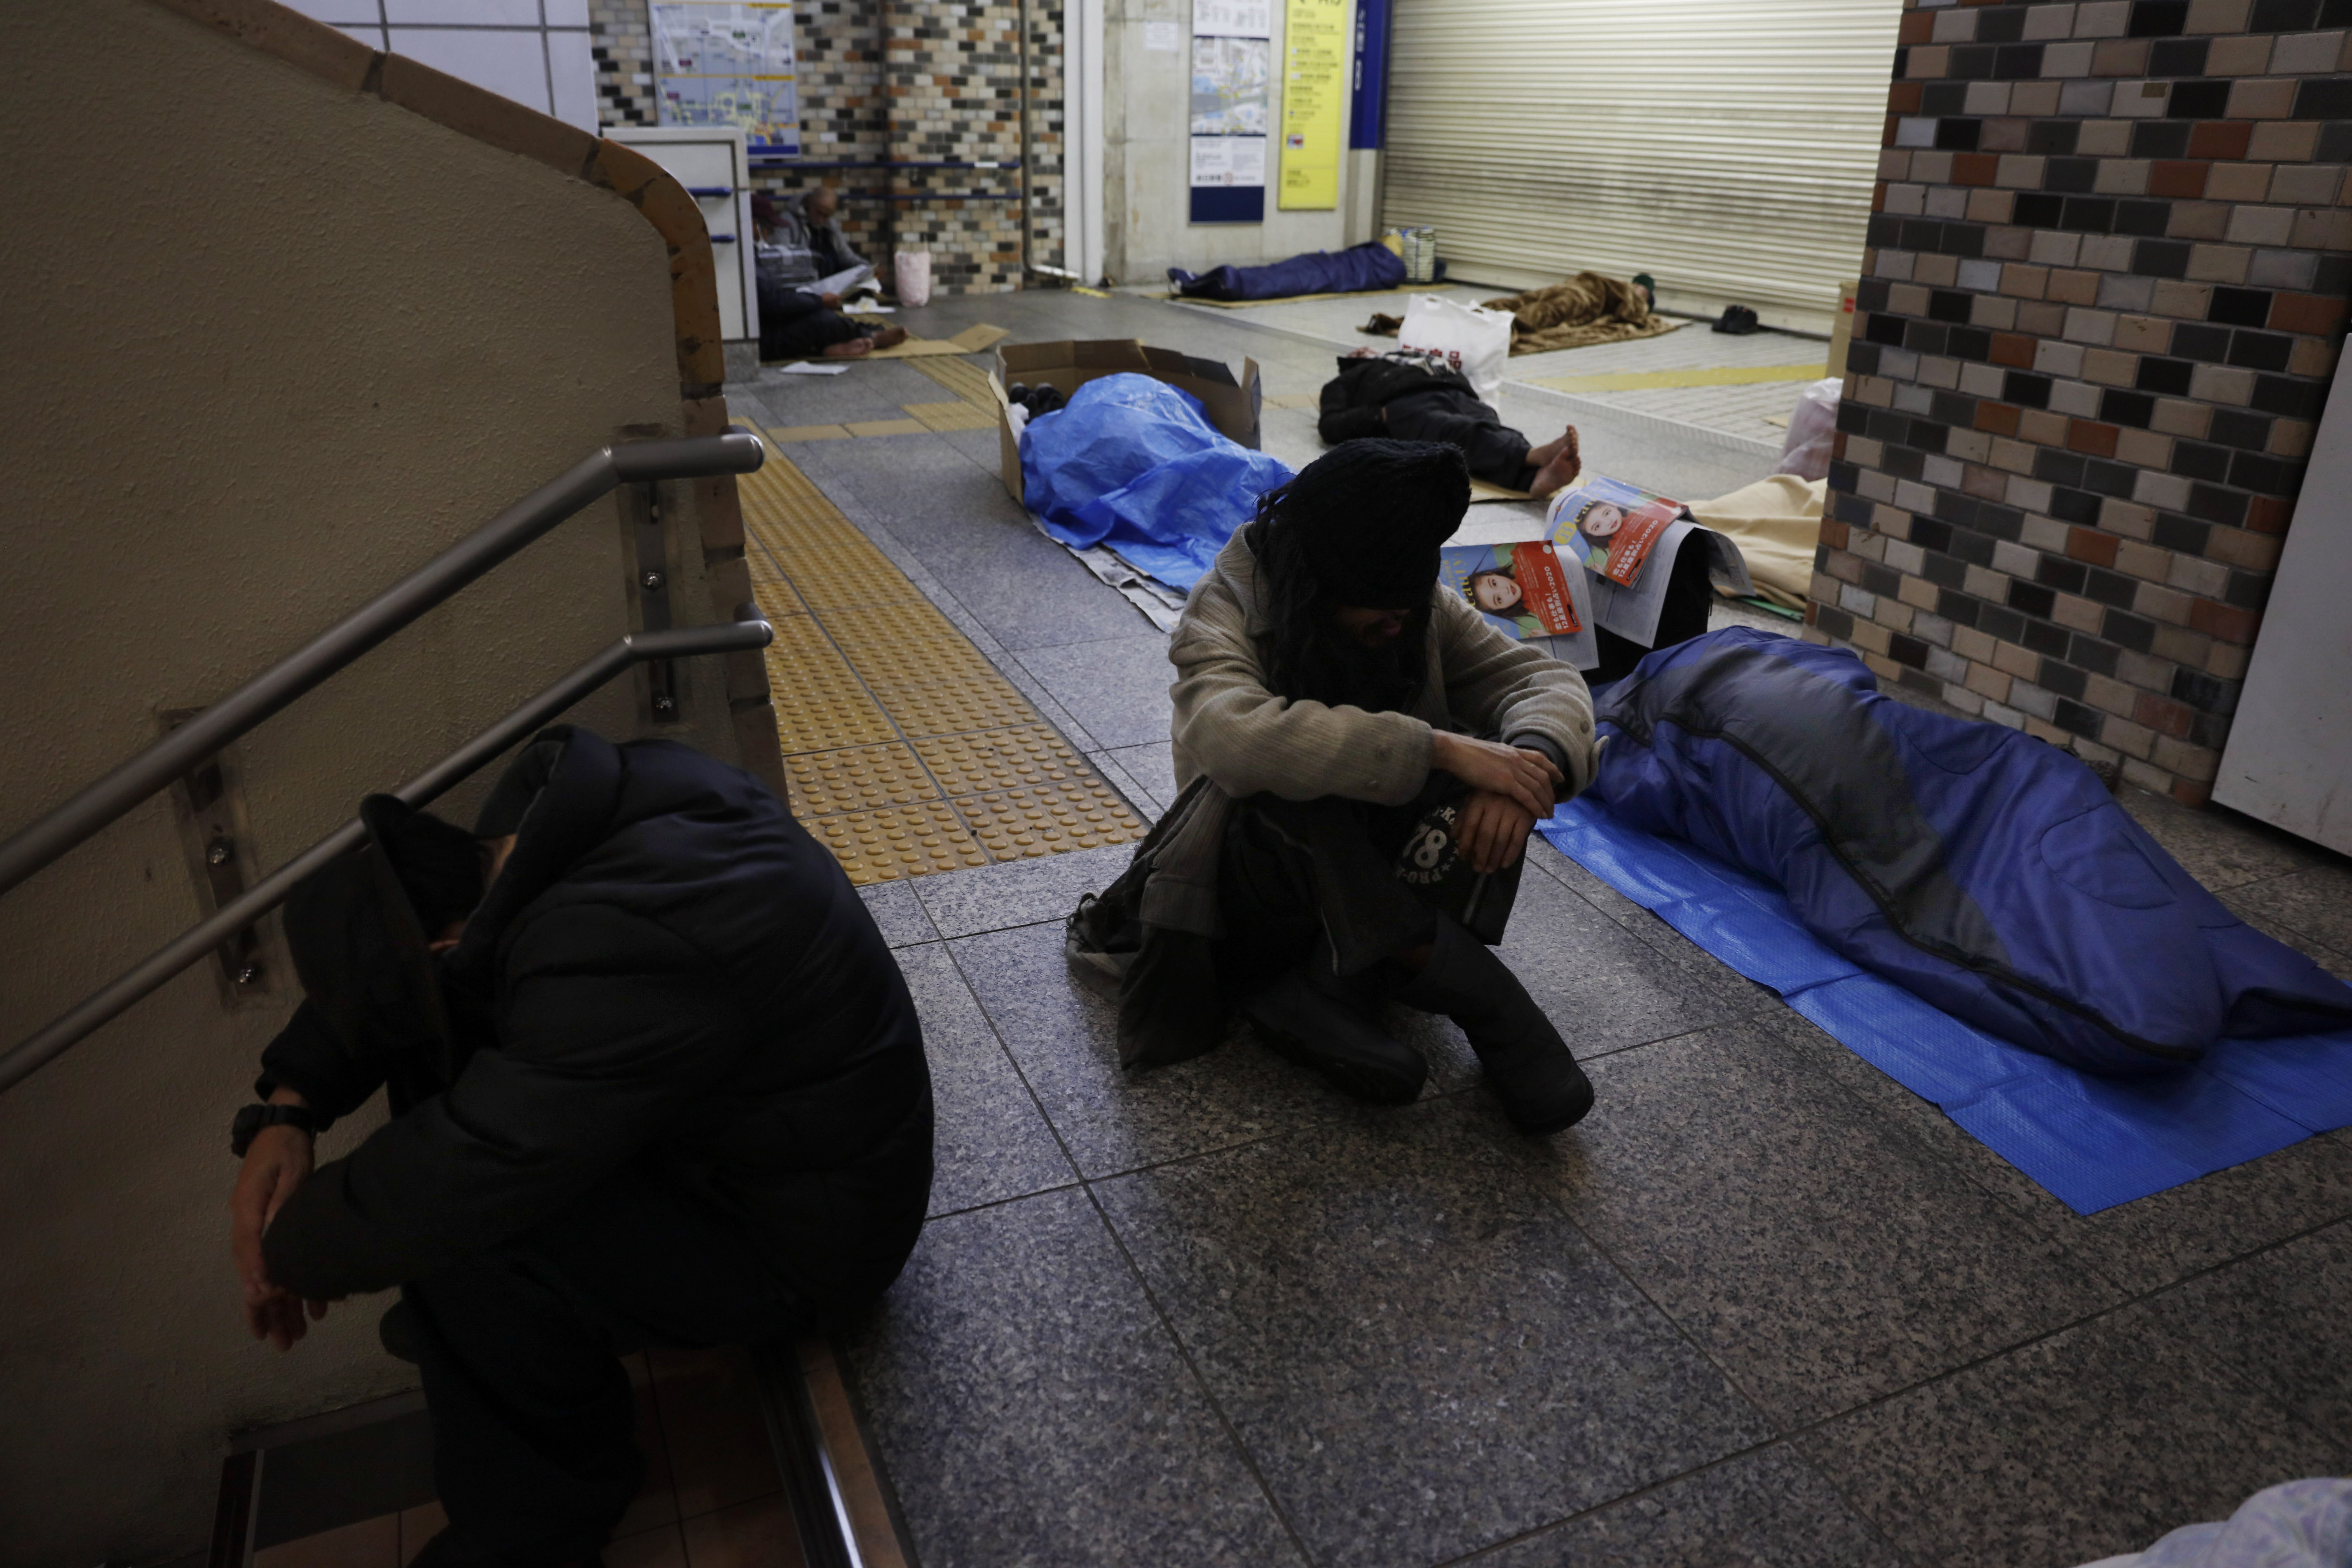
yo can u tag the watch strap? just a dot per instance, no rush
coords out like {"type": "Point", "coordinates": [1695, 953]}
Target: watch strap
{"type": "Point", "coordinates": [251, 1119]}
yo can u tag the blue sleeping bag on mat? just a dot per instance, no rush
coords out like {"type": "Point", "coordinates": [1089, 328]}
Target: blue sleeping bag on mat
{"type": "Point", "coordinates": [1983, 871]}
{"type": "Point", "coordinates": [1359, 268]}
{"type": "Point", "coordinates": [1134, 464]}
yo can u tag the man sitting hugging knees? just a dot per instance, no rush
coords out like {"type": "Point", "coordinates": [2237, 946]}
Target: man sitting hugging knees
{"type": "Point", "coordinates": [655, 1079]}
{"type": "Point", "coordinates": [1361, 758]}
{"type": "Point", "coordinates": [803, 264]}
{"type": "Point", "coordinates": [1404, 396]}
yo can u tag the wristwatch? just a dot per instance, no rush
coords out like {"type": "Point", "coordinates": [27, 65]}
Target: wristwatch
{"type": "Point", "coordinates": [254, 1117]}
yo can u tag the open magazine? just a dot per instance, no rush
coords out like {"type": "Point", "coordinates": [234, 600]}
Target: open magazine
{"type": "Point", "coordinates": [1627, 539]}
{"type": "Point", "coordinates": [1529, 591]}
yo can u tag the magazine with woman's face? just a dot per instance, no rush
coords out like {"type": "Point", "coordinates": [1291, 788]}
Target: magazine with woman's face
{"type": "Point", "coordinates": [1611, 527]}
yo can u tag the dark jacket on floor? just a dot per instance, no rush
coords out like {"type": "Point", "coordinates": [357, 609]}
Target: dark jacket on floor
{"type": "Point", "coordinates": [668, 973]}
{"type": "Point", "coordinates": [1408, 400]}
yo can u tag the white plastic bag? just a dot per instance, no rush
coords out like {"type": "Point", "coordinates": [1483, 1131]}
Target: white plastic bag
{"type": "Point", "coordinates": [1812, 431]}
{"type": "Point", "coordinates": [1471, 340]}
{"type": "Point", "coordinates": [914, 269]}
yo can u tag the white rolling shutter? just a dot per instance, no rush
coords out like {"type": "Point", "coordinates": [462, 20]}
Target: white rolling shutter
{"type": "Point", "coordinates": [1728, 147]}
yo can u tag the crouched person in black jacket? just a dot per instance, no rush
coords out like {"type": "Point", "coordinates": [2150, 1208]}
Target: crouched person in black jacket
{"type": "Point", "coordinates": [655, 1080]}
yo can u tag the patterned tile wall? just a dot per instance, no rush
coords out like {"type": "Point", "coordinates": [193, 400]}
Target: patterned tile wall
{"type": "Point", "coordinates": [2104, 293]}
{"type": "Point", "coordinates": [951, 92]}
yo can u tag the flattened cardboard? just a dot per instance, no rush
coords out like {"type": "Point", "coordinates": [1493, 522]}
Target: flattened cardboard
{"type": "Point", "coordinates": [1232, 406]}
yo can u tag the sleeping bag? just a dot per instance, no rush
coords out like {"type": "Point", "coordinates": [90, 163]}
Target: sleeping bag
{"type": "Point", "coordinates": [1986, 871]}
{"type": "Point", "coordinates": [1359, 269]}
{"type": "Point", "coordinates": [1134, 464]}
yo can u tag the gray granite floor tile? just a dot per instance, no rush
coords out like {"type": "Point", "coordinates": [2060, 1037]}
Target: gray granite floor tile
{"type": "Point", "coordinates": [2087, 1444]}
{"type": "Point", "coordinates": [1763, 1510]}
{"type": "Point", "coordinates": [1154, 767]}
{"type": "Point", "coordinates": [1065, 1038]}
{"type": "Point", "coordinates": [2282, 1322]}
{"type": "Point", "coordinates": [2218, 847]}
{"type": "Point", "coordinates": [898, 912]}
{"type": "Point", "coordinates": [1602, 987]}
{"type": "Point", "coordinates": [1025, 588]}
{"type": "Point", "coordinates": [1705, 973]}
{"type": "Point", "coordinates": [2142, 1246]}
{"type": "Point", "coordinates": [1821, 1257]}
{"type": "Point", "coordinates": [1019, 892]}
{"type": "Point", "coordinates": [1421, 1355]}
{"type": "Point", "coordinates": [1118, 689]}
{"type": "Point", "coordinates": [2335, 963]}
{"type": "Point", "coordinates": [1031, 1409]}
{"type": "Point", "coordinates": [1147, 805]}
{"type": "Point", "coordinates": [2317, 901]}
{"type": "Point", "coordinates": [991, 1142]}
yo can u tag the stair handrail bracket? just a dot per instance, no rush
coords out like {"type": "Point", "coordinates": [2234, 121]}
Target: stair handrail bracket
{"type": "Point", "coordinates": [64, 826]}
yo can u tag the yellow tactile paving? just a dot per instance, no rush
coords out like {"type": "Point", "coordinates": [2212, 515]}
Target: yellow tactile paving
{"type": "Point", "coordinates": [957, 416]}
{"type": "Point", "coordinates": [885, 427]}
{"type": "Point", "coordinates": [810, 433]}
{"type": "Point", "coordinates": [1022, 756]}
{"type": "Point", "coordinates": [899, 841]}
{"type": "Point", "coordinates": [1082, 814]}
{"type": "Point", "coordinates": [825, 782]}
{"type": "Point", "coordinates": [905, 750]}
{"type": "Point", "coordinates": [966, 380]}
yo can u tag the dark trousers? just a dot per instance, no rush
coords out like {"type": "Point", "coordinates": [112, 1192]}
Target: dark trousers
{"type": "Point", "coordinates": [1690, 604]}
{"type": "Point", "coordinates": [1496, 453]}
{"type": "Point", "coordinates": [532, 1416]}
{"type": "Point", "coordinates": [809, 332]}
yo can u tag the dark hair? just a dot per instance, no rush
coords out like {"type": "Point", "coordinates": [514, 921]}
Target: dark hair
{"type": "Point", "coordinates": [1306, 658]}
{"type": "Point", "coordinates": [438, 863]}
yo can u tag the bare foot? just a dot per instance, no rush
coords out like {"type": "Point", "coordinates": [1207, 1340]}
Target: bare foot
{"type": "Point", "coordinates": [855, 348]}
{"type": "Point", "coordinates": [889, 337]}
{"type": "Point", "coordinates": [1556, 464]}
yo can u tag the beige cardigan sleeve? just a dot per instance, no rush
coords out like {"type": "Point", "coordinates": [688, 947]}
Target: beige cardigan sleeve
{"type": "Point", "coordinates": [1497, 685]}
{"type": "Point", "coordinates": [1250, 741]}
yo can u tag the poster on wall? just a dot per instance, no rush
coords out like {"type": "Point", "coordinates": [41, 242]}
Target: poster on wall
{"type": "Point", "coordinates": [1232, 108]}
{"type": "Point", "coordinates": [729, 63]}
{"type": "Point", "coordinates": [1315, 79]}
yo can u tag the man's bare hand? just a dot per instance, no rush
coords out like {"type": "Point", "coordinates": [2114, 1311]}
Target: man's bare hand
{"type": "Point", "coordinates": [1493, 831]}
{"type": "Point", "coordinates": [276, 1163]}
{"type": "Point", "coordinates": [829, 301]}
{"type": "Point", "coordinates": [1528, 778]}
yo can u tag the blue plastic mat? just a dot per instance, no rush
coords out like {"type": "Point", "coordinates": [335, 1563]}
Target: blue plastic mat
{"type": "Point", "coordinates": [2091, 1143]}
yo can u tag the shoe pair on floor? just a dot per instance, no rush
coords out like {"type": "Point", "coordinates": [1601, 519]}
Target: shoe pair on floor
{"type": "Point", "coordinates": [1325, 1021]}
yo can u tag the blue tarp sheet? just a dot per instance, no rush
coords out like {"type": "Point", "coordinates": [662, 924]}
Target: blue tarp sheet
{"type": "Point", "coordinates": [2093, 1142]}
{"type": "Point", "coordinates": [1359, 268]}
{"type": "Point", "coordinates": [1134, 464]}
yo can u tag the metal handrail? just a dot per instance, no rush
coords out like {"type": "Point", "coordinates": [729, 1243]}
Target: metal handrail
{"type": "Point", "coordinates": [78, 1023]}
{"type": "Point", "coordinates": [605, 470]}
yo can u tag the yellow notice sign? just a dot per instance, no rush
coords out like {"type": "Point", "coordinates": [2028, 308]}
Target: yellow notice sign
{"type": "Point", "coordinates": [1314, 102]}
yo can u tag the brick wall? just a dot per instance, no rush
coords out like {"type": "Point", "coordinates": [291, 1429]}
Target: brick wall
{"type": "Point", "coordinates": [951, 92]}
{"type": "Point", "coordinates": [2104, 293]}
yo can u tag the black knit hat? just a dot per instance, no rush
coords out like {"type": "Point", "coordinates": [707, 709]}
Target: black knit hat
{"type": "Point", "coordinates": [1371, 516]}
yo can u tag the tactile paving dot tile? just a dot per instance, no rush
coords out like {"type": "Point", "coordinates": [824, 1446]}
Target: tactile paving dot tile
{"type": "Point", "coordinates": [1025, 757]}
{"type": "Point", "coordinates": [907, 644]}
{"type": "Point", "coordinates": [777, 492]}
{"type": "Point", "coordinates": [947, 703]}
{"type": "Point", "coordinates": [955, 415]}
{"type": "Point", "coordinates": [843, 576]}
{"type": "Point", "coordinates": [885, 427]}
{"type": "Point", "coordinates": [896, 841]}
{"type": "Point", "coordinates": [1048, 819]}
{"type": "Point", "coordinates": [857, 778]}
{"type": "Point", "coordinates": [772, 594]}
{"type": "Point", "coordinates": [820, 704]}
{"type": "Point", "coordinates": [964, 378]}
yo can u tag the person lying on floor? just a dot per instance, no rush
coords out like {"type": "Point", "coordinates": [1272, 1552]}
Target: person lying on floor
{"type": "Point", "coordinates": [653, 1078]}
{"type": "Point", "coordinates": [798, 316]}
{"type": "Point", "coordinates": [1361, 758]}
{"type": "Point", "coordinates": [1406, 396]}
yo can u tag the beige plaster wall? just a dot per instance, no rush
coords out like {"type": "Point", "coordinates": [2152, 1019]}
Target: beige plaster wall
{"type": "Point", "coordinates": [266, 343]}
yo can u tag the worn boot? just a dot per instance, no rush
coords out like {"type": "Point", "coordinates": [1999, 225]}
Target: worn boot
{"type": "Point", "coordinates": [1530, 1066]}
{"type": "Point", "coordinates": [1310, 1016]}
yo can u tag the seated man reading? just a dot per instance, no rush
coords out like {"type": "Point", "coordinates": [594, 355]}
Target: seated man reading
{"type": "Point", "coordinates": [655, 1079]}
{"type": "Point", "coordinates": [1362, 757]}
{"type": "Point", "coordinates": [805, 269]}
{"type": "Point", "coordinates": [1403, 396]}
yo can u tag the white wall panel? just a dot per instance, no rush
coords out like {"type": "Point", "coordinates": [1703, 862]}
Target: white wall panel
{"type": "Point", "coordinates": [510, 62]}
{"type": "Point", "coordinates": [1726, 146]}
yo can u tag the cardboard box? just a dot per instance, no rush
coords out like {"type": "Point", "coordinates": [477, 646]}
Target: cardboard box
{"type": "Point", "coordinates": [1232, 406]}
{"type": "Point", "coordinates": [1842, 333]}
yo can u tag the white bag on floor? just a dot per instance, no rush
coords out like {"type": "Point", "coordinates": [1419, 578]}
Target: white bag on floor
{"type": "Point", "coordinates": [1472, 340]}
{"type": "Point", "coordinates": [914, 269]}
{"type": "Point", "coordinates": [1812, 431]}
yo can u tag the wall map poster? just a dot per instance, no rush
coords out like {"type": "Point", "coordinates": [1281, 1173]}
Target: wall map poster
{"type": "Point", "coordinates": [729, 63]}
{"type": "Point", "coordinates": [1314, 81]}
{"type": "Point", "coordinates": [1232, 112]}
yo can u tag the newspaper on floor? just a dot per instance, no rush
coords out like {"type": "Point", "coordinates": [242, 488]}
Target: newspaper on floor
{"type": "Point", "coordinates": [1626, 539]}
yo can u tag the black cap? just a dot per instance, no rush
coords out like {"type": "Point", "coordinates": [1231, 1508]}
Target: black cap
{"type": "Point", "coordinates": [1371, 515]}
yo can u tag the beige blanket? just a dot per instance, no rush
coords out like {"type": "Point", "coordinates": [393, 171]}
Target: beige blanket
{"type": "Point", "coordinates": [1777, 523]}
{"type": "Point", "coordinates": [1586, 309]}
